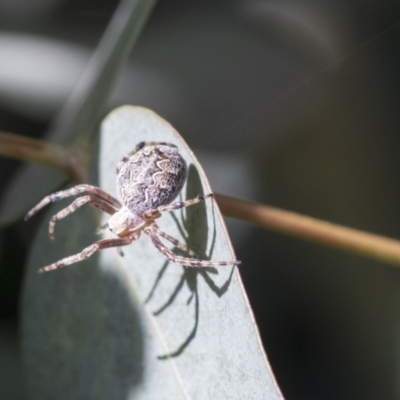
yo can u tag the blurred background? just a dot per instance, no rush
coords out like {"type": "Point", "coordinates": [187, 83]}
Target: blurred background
{"type": "Point", "coordinates": [291, 103]}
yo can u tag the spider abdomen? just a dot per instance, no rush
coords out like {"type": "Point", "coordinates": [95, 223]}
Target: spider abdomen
{"type": "Point", "coordinates": [151, 177]}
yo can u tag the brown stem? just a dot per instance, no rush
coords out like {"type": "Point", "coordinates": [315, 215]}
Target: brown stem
{"type": "Point", "coordinates": [71, 161]}
{"type": "Point", "coordinates": [369, 245]}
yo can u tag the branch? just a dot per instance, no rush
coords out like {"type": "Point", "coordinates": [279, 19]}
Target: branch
{"type": "Point", "coordinates": [71, 161]}
{"type": "Point", "coordinates": [366, 244]}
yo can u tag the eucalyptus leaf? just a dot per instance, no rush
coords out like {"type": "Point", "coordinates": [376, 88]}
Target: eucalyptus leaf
{"type": "Point", "coordinates": [22, 193]}
{"type": "Point", "coordinates": [138, 326]}
{"type": "Point", "coordinates": [84, 108]}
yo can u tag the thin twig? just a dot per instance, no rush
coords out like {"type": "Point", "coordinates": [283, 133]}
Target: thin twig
{"type": "Point", "coordinates": [369, 245]}
{"type": "Point", "coordinates": [69, 160]}
{"type": "Point", "coordinates": [72, 161]}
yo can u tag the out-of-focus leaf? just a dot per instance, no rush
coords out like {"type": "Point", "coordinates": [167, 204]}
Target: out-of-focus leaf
{"type": "Point", "coordinates": [71, 322]}
{"type": "Point", "coordinates": [139, 327]}
{"type": "Point", "coordinates": [22, 192]}
{"type": "Point", "coordinates": [37, 74]}
{"type": "Point", "coordinates": [85, 106]}
{"type": "Point", "coordinates": [10, 362]}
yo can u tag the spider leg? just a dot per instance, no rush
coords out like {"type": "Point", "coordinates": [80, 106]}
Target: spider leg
{"type": "Point", "coordinates": [139, 147]}
{"type": "Point", "coordinates": [174, 241]}
{"type": "Point", "coordinates": [88, 251]}
{"type": "Point", "coordinates": [189, 262]}
{"type": "Point", "coordinates": [90, 199]}
{"type": "Point", "coordinates": [101, 229]}
{"type": "Point", "coordinates": [151, 214]}
{"type": "Point", "coordinates": [73, 192]}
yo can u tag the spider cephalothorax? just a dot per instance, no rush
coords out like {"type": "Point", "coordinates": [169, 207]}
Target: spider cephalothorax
{"type": "Point", "coordinates": [148, 180]}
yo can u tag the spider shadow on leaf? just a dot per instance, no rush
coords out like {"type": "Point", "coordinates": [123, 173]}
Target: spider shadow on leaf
{"type": "Point", "coordinates": [193, 226]}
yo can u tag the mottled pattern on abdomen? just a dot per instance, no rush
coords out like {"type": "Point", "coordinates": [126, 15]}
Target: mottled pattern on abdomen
{"type": "Point", "coordinates": [152, 177]}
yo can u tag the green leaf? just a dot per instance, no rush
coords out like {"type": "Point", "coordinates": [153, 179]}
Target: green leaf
{"type": "Point", "coordinates": [30, 184]}
{"type": "Point", "coordinates": [83, 110]}
{"type": "Point", "coordinates": [138, 326]}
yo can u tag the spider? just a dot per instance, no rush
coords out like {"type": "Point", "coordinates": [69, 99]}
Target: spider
{"type": "Point", "coordinates": [149, 178]}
